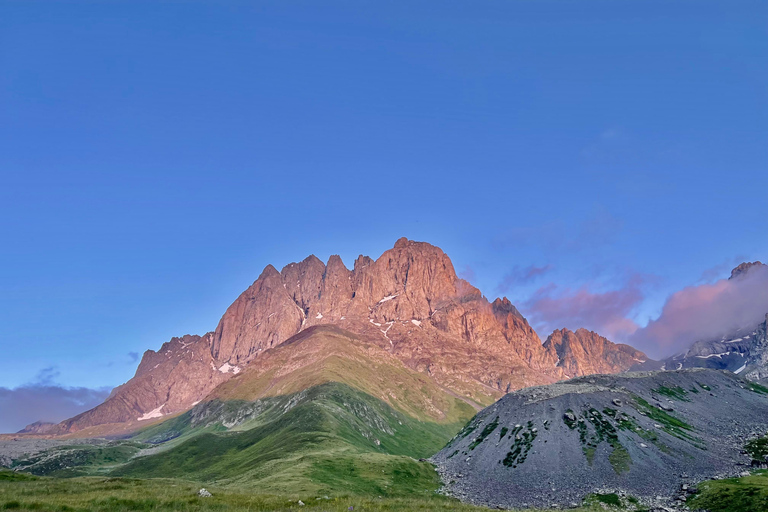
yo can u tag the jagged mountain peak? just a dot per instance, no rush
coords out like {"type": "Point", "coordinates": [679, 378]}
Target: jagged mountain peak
{"type": "Point", "coordinates": [583, 352]}
{"type": "Point", "coordinates": [743, 268]}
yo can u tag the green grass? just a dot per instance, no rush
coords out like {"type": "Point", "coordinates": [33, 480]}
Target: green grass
{"type": "Point", "coordinates": [676, 392]}
{"type": "Point", "coordinates": [757, 388]}
{"type": "Point", "coordinates": [98, 494]}
{"type": "Point", "coordinates": [746, 494]}
{"type": "Point", "coordinates": [669, 423]}
{"type": "Point", "coordinates": [325, 439]}
{"type": "Point", "coordinates": [757, 448]}
{"type": "Point", "coordinates": [78, 460]}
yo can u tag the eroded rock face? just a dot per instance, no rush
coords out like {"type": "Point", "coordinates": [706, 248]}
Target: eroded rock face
{"type": "Point", "coordinates": [170, 380]}
{"type": "Point", "coordinates": [585, 352]}
{"type": "Point", "coordinates": [409, 301]}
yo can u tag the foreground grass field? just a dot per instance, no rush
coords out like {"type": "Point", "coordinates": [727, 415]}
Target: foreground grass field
{"type": "Point", "coordinates": [747, 494]}
{"type": "Point", "coordinates": [21, 493]}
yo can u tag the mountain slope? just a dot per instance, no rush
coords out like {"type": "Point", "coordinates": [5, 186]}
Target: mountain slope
{"type": "Point", "coordinates": [409, 302]}
{"type": "Point", "coordinates": [328, 439]}
{"type": "Point", "coordinates": [636, 433]}
{"type": "Point", "coordinates": [323, 413]}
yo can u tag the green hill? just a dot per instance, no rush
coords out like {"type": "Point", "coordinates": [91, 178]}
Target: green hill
{"type": "Point", "coordinates": [328, 439]}
{"type": "Point", "coordinates": [326, 413]}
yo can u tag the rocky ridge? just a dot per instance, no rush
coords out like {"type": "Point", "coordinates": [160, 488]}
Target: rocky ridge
{"type": "Point", "coordinates": [586, 352]}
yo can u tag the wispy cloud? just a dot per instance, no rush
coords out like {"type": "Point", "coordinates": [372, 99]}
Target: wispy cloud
{"type": "Point", "coordinates": [522, 275]}
{"type": "Point", "coordinates": [45, 400]}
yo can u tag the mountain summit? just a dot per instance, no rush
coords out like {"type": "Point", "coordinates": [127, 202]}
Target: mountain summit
{"type": "Point", "coordinates": [408, 302]}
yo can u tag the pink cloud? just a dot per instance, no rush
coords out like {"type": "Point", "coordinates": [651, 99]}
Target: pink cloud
{"type": "Point", "coordinates": [705, 312]}
{"type": "Point", "coordinates": [607, 312]}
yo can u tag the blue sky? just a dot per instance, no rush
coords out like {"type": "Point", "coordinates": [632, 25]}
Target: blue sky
{"type": "Point", "coordinates": [155, 156]}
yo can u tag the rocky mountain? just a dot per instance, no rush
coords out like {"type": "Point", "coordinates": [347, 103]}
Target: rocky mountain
{"type": "Point", "coordinates": [585, 352]}
{"type": "Point", "coordinates": [409, 302]}
{"type": "Point", "coordinates": [645, 434]}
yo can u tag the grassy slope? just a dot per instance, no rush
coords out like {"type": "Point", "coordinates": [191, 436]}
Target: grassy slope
{"type": "Point", "coordinates": [325, 414]}
{"type": "Point", "coordinates": [747, 494]}
{"type": "Point", "coordinates": [24, 493]}
{"type": "Point", "coordinates": [330, 354]}
{"type": "Point", "coordinates": [78, 460]}
{"type": "Point", "coordinates": [329, 439]}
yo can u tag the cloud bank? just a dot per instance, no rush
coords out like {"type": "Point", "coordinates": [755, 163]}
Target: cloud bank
{"type": "Point", "coordinates": [552, 307]}
{"type": "Point", "coordinates": [44, 400]}
{"type": "Point", "coordinates": [706, 312]}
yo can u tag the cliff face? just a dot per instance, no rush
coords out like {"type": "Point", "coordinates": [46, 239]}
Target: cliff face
{"type": "Point", "coordinates": [585, 352]}
{"type": "Point", "coordinates": [409, 302]}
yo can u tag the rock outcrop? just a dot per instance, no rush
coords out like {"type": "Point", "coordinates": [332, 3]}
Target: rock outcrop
{"type": "Point", "coordinates": [585, 352]}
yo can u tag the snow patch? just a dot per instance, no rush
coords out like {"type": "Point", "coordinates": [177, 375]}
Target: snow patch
{"type": "Point", "coordinates": [154, 413]}
{"type": "Point", "coordinates": [227, 368]}
{"type": "Point", "coordinates": [415, 322]}
{"type": "Point", "coordinates": [388, 297]}
{"type": "Point", "coordinates": [319, 316]}
{"type": "Point", "coordinates": [374, 323]}
{"type": "Point", "coordinates": [740, 369]}
{"type": "Point", "coordinates": [720, 355]}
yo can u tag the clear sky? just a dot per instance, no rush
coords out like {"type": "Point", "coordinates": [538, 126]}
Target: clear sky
{"type": "Point", "coordinates": [155, 156]}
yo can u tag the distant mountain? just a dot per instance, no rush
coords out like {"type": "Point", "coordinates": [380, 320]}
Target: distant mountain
{"type": "Point", "coordinates": [38, 427]}
{"type": "Point", "coordinates": [409, 302]}
{"type": "Point", "coordinates": [585, 352]}
{"type": "Point", "coordinates": [639, 434]}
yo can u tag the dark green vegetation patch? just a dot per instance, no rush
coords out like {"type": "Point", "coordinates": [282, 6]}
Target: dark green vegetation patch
{"type": "Point", "coordinates": [524, 438]}
{"type": "Point", "coordinates": [489, 428]}
{"type": "Point", "coordinates": [757, 449]}
{"type": "Point", "coordinates": [757, 388]}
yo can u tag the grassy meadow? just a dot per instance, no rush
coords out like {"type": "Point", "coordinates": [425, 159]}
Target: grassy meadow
{"type": "Point", "coordinates": [22, 493]}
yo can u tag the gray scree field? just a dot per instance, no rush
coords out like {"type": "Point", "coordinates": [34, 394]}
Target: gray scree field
{"type": "Point", "coordinates": [643, 433]}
